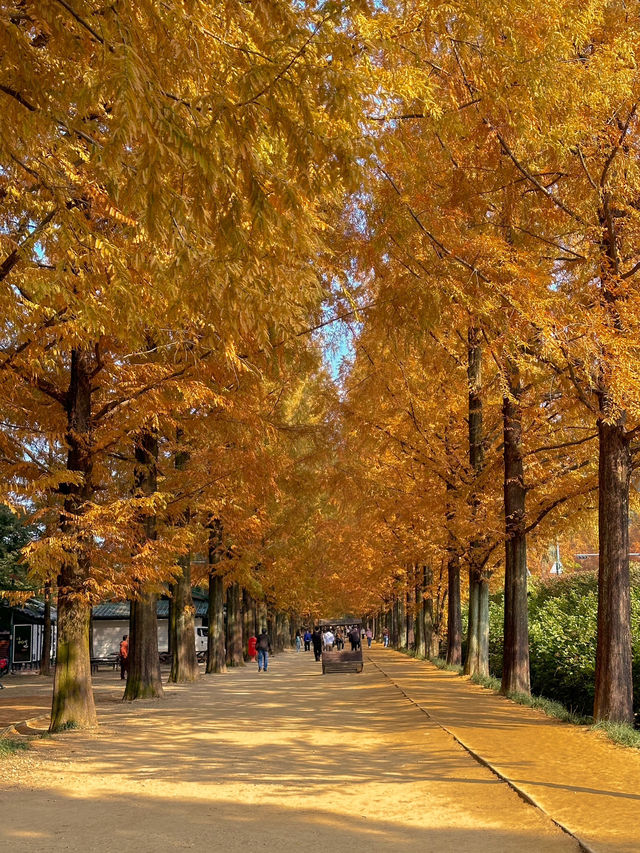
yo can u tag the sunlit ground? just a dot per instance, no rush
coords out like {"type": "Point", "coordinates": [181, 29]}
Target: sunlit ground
{"type": "Point", "coordinates": [293, 761]}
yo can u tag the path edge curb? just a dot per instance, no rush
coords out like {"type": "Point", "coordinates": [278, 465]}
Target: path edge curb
{"type": "Point", "coordinates": [484, 762]}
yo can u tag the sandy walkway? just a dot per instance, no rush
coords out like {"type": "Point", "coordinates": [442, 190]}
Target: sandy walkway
{"type": "Point", "coordinates": [287, 761]}
{"type": "Point", "coordinates": [582, 780]}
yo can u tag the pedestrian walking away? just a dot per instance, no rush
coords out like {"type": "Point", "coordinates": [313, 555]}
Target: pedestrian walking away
{"type": "Point", "coordinates": [264, 648]}
{"type": "Point", "coordinates": [385, 637]}
{"type": "Point", "coordinates": [316, 639]}
{"type": "Point", "coordinates": [124, 656]}
{"type": "Point", "coordinates": [298, 641]}
{"type": "Point", "coordinates": [354, 639]}
{"type": "Point", "coordinates": [328, 640]}
{"type": "Point", "coordinates": [369, 635]}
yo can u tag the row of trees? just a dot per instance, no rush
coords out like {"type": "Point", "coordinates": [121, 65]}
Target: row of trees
{"type": "Point", "coordinates": [190, 191]}
{"type": "Point", "coordinates": [169, 172]}
{"type": "Point", "coordinates": [495, 377]}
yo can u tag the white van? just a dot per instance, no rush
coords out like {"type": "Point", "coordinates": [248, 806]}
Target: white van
{"type": "Point", "coordinates": [202, 638]}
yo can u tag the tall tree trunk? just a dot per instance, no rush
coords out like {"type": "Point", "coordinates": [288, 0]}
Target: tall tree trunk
{"type": "Point", "coordinates": [477, 636]}
{"type": "Point", "coordinates": [402, 620]}
{"type": "Point", "coordinates": [184, 663]}
{"type": "Point", "coordinates": [171, 620]}
{"type": "Point", "coordinates": [216, 653]}
{"type": "Point", "coordinates": [262, 617]}
{"type": "Point", "coordinates": [409, 616]}
{"type": "Point", "coordinates": [431, 638]}
{"type": "Point", "coordinates": [276, 640]}
{"type": "Point", "coordinates": [421, 648]}
{"type": "Point", "coordinates": [234, 625]}
{"type": "Point", "coordinates": [248, 620]}
{"type": "Point", "coordinates": [45, 657]}
{"type": "Point", "coordinates": [143, 677]}
{"type": "Point", "coordinates": [73, 705]}
{"type": "Point", "coordinates": [515, 673]}
{"type": "Point", "coordinates": [613, 687]}
{"type": "Point", "coordinates": [471, 661]}
{"type": "Point", "coordinates": [454, 614]}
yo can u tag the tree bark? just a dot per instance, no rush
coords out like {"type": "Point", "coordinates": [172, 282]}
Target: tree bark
{"type": "Point", "coordinates": [421, 648]}
{"type": "Point", "coordinates": [234, 625]}
{"type": "Point", "coordinates": [471, 661]}
{"type": "Point", "coordinates": [72, 704]}
{"type": "Point", "coordinates": [515, 673]}
{"type": "Point", "coordinates": [454, 610]}
{"type": "Point", "coordinates": [184, 663]}
{"type": "Point", "coordinates": [247, 622]}
{"type": "Point", "coordinates": [432, 640]}
{"type": "Point", "coordinates": [477, 636]}
{"type": "Point", "coordinates": [143, 677]}
{"type": "Point", "coordinates": [216, 653]}
{"type": "Point", "coordinates": [402, 620]}
{"type": "Point", "coordinates": [45, 657]}
{"type": "Point", "coordinates": [613, 686]}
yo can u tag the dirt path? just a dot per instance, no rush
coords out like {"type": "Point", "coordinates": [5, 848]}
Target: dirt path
{"type": "Point", "coordinates": [287, 761]}
{"type": "Point", "coordinates": [588, 784]}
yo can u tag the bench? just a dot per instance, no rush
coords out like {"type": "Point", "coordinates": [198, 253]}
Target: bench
{"type": "Point", "coordinates": [111, 660]}
{"type": "Point", "coordinates": [342, 661]}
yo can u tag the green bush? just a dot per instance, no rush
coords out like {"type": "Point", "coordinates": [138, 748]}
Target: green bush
{"type": "Point", "coordinates": [562, 638]}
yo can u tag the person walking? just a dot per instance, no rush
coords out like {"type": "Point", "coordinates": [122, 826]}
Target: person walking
{"type": "Point", "coordinates": [369, 635]}
{"type": "Point", "coordinates": [307, 640]}
{"type": "Point", "coordinates": [339, 639]}
{"type": "Point", "coordinates": [354, 638]}
{"type": "Point", "coordinates": [385, 637]}
{"type": "Point", "coordinates": [124, 656]}
{"type": "Point", "coordinates": [298, 641]}
{"type": "Point", "coordinates": [316, 639]}
{"type": "Point", "coordinates": [264, 647]}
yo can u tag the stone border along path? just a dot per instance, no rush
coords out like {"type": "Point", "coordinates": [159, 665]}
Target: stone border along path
{"type": "Point", "coordinates": [585, 784]}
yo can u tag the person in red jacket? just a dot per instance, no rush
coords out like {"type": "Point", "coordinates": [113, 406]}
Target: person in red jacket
{"type": "Point", "coordinates": [124, 656]}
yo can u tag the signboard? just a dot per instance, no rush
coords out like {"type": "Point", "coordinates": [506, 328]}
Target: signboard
{"type": "Point", "coordinates": [22, 643]}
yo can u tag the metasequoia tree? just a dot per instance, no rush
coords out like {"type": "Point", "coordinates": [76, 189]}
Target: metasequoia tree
{"type": "Point", "coordinates": [577, 162]}
{"type": "Point", "coordinates": [101, 182]}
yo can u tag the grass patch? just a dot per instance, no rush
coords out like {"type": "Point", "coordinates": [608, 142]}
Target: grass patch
{"type": "Point", "coordinates": [487, 681]}
{"type": "Point", "coordinates": [449, 667]}
{"type": "Point", "coordinates": [550, 707]}
{"type": "Point", "coordinates": [412, 653]}
{"type": "Point", "coordinates": [9, 746]}
{"type": "Point", "coordinates": [620, 733]}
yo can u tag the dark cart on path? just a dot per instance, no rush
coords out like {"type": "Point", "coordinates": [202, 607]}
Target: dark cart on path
{"type": "Point", "coordinates": [342, 660]}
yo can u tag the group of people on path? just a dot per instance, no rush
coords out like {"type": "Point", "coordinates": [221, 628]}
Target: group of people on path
{"type": "Point", "coordinates": [320, 641]}
{"type": "Point", "coordinates": [328, 640]}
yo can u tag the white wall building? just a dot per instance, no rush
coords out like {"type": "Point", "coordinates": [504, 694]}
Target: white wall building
{"type": "Point", "coordinates": [110, 622]}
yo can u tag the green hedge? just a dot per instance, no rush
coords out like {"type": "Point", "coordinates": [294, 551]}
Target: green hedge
{"type": "Point", "coordinates": [562, 638]}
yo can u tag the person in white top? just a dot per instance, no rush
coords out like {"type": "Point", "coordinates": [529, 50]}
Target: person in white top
{"type": "Point", "coordinates": [328, 640]}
